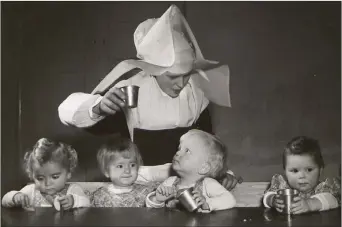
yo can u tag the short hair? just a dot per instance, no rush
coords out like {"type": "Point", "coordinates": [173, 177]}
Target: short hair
{"type": "Point", "coordinates": [302, 145]}
{"type": "Point", "coordinates": [217, 152]}
{"type": "Point", "coordinates": [46, 150]}
{"type": "Point", "coordinates": [117, 146]}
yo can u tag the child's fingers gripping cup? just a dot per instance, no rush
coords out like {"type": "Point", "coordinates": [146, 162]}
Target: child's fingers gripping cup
{"type": "Point", "coordinates": [186, 199]}
{"type": "Point", "coordinates": [287, 195]}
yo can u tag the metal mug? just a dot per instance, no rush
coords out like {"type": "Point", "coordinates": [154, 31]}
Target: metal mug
{"type": "Point", "coordinates": [287, 195]}
{"type": "Point", "coordinates": [186, 199]}
{"type": "Point", "coordinates": [131, 93]}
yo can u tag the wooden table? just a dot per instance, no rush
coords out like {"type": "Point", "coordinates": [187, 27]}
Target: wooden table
{"type": "Point", "coordinates": [247, 216]}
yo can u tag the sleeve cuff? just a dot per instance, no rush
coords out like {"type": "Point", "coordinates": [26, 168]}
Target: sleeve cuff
{"type": "Point", "coordinates": [264, 200]}
{"type": "Point", "coordinates": [14, 193]}
{"type": "Point", "coordinates": [150, 203]}
{"type": "Point", "coordinates": [93, 115]}
{"type": "Point", "coordinates": [204, 211]}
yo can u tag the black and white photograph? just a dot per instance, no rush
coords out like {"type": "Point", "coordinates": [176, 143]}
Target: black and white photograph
{"type": "Point", "coordinates": [158, 113]}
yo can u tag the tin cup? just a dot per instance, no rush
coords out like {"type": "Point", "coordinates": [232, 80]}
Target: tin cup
{"type": "Point", "coordinates": [287, 195]}
{"type": "Point", "coordinates": [131, 93]}
{"type": "Point", "coordinates": [186, 199]}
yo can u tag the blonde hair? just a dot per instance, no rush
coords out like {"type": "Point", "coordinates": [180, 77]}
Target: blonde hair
{"type": "Point", "coordinates": [46, 150]}
{"type": "Point", "coordinates": [217, 152]}
{"type": "Point", "coordinates": [118, 146]}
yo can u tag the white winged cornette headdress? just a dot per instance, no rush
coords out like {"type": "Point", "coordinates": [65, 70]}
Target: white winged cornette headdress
{"type": "Point", "coordinates": [168, 44]}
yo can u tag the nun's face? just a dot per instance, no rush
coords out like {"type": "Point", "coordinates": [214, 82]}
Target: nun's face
{"type": "Point", "coordinates": [172, 84]}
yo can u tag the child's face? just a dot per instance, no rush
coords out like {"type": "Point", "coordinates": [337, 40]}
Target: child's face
{"type": "Point", "coordinates": [191, 155]}
{"type": "Point", "coordinates": [50, 177]}
{"type": "Point", "coordinates": [123, 171]}
{"type": "Point", "coordinates": [302, 172]}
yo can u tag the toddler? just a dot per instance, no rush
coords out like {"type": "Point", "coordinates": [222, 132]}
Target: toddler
{"type": "Point", "coordinates": [201, 157]}
{"type": "Point", "coordinates": [120, 160]}
{"type": "Point", "coordinates": [49, 164]}
{"type": "Point", "coordinates": [303, 165]}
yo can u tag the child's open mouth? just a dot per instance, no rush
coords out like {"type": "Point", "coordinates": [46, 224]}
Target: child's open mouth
{"type": "Point", "coordinates": [174, 161]}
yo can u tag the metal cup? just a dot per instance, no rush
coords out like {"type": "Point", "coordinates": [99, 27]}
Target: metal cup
{"type": "Point", "coordinates": [131, 93]}
{"type": "Point", "coordinates": [287, 195]}
{"type": "Point", "coordinates": [185, 198]}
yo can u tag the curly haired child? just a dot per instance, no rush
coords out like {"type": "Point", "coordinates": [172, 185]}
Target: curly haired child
{"type": "Point", "coordinates": [50, 165]}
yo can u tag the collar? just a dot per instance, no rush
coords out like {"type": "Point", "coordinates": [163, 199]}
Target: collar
{"type": "Point", "coordinates": [117, 190]}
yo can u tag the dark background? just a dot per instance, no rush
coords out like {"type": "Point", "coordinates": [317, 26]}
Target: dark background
{"type": "Point", "coordinates": [284, 58]}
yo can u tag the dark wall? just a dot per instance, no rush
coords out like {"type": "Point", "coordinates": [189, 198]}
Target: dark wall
{"type": "Point", "coordinates": [284, 60]}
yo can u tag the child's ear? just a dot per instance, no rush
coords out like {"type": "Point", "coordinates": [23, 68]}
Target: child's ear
{"type": "Point", "coordinates": [106, 174]}
{"type": "Point", "coordinates": [68, 176]}
{"type": "Point", "coordinates": [204, 169]}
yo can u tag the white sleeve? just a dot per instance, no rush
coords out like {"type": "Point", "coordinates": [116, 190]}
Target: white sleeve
{"type": "Point", "coordinates": [327, 200]}
{"type": "Point", "coordinates": [264, 200]}
{"type": "Point", "coordinates": [217, 197]}
{"type": "Point", "coordinates": [74, 110]}
{"type": "Point", "coordinates": [7, 200]}
{"type": "Point", "coordinates": [80, 198]}
{"type": "Point", "coordinates": [154, 173]}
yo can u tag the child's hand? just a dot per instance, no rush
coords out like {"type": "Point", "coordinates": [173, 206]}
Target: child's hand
{"type": "Point", "coordinates": [200, 199]}
{"type": "Point", "coordinates": [21, 199]}
{"type": "Point", "coordinates": [300, 205]}
{"type": "Point", "coordinates": [164, 193]}
{"type": "Point", "coordinates": [278, 203]}
{"type": "Point", "coordinates": [67, 201]}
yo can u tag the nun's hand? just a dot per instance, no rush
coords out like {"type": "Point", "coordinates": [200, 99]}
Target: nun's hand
{"type": "Point", "coordinates": [112, 102]}
{"type": "Point", "coordinates": [229, 181]}
{"type": "Point", "coordinates": [164, 193]}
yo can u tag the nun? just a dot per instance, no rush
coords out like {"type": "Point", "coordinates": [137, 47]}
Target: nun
{"type": "Point", "coordinates": [176, 84]}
